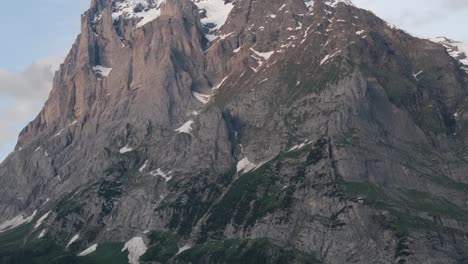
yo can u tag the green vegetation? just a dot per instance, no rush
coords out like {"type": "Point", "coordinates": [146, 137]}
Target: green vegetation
{"type": "Point", "coordinates": [109, 252]}
{"type": "Point", "coordinates": [449, 183]}
{"type": "Point", "coordinates": [20, 246]}
{"type": "Point", "coordinates": [347, 138]}
{"type": "Point", "coordinates": [67, 207]}
{"type": "Point", "coordinates": [425, 202]}
{"type": "Point", "coordinates": [368, 191]}
{"type": "Point", "coordinates": [255, 188]}
{"type": "Point", "coordinates": [190, 207]}
{"type": "Point", "coordinates": [261, 192]}
{"type": "Point", "coordinates": [258, 251]}
{"type": "Point", "coordinates": [162, 247]}
{"type": "Point", "coordinates": [405, 206]}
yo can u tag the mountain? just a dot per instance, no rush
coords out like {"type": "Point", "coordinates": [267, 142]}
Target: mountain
{"type": "Point", "coordinates": [246, 131]}
{"type": "Point", "coordinates": [458, 50]}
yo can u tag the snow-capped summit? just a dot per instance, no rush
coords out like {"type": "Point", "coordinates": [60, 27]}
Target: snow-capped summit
{"type": "Point", "coordinates": [332, 3]}
{"type": "Point", "coordinates": [456, 49]}
{"type": "Point", "coordinates": [214, 13]}
{"type": "Point", "coordinates": [147, 11]}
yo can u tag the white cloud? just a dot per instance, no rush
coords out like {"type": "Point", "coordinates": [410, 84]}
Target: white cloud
{"type": "Point", "coordinates": [425, 18]}
{"type": "Point", "coordinates": [22, 95]}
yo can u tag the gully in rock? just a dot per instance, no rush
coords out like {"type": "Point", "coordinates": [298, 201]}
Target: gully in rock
{"type": "Point", "coordinates": [242, 131]}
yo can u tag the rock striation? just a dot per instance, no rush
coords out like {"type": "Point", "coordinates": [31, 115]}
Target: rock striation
{"type": "Point", "coordinates": [246, 131]}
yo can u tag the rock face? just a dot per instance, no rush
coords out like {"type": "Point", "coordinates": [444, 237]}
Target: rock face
{"type": "Point", "coordinates": [247, 131]}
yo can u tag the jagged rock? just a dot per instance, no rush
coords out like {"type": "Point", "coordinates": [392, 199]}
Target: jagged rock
{"type": "Point", "coordinates": [237, 131]}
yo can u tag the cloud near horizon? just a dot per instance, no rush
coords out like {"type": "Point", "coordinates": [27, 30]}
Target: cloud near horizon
{"type": "Point", "coordinates": [22, 95]}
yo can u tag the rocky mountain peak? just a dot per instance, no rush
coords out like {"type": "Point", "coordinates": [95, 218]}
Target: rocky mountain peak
{"type": "Point", "coordinates": [458, 50]}
{"type": "Point", "coordinates": [211, 131]}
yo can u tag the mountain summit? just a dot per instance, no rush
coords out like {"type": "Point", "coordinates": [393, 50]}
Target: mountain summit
{"type": "Point", "coordinates": [247, 131]}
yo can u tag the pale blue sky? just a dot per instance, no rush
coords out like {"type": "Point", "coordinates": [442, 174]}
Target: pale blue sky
{"type": "Point", "coordinates": [32, 31]}
{"type": "Point", "coordinates": [38, 33]}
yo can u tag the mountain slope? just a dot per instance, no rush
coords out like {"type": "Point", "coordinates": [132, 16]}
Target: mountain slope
{"type": "Point", "coordinates": [242, 132]}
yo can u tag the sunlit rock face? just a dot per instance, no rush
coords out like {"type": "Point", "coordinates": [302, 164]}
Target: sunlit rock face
{"type": "Point", "coordinates": [220, 131]}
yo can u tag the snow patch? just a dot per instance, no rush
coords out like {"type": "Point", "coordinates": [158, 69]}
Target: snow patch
{"type": "Point", "coordinates": [184, 248]}
{"type": "Point", "coordinates": [142, 168]}
{"type": "Point", "coordinates": [309, 4]}
{"type": "Point", "coordinates": [237, 50]}
{"type": "Point", "coordinates": [334, 3]}
{"type": "Point", "coordinates": [203, 98]}
{"type": "Point", "coordinates": [300, 146]}
{"type": "Point", "coordinates": [261, 57]}
{"type": "Point", "coordinates": [245, 165]}
{"type": "Point", "coordinates": [458, 50]}
{"type": "Point", "coordinates": [125, 149]}
{"type": "Point", "coordinates": [101, 70]}
{"type": "Point", "coordinates": [416, 75]}
{"type": "Point", "coordinates": [186, 128]}
{"type": "Point", "coordinates": [219, 84]}
{"type": "Point", "coordinates": [136, 248]}
{"type": "Point", "coordinates": [264, 55]}
{"type": "Point", "coordinates": [360, 32]}
{"type": "Point", "coordinates": [73, 239]}
{"type": "Point", "coordinates": [216, 13]}
{"type": "Point", "coordinates": [88, 251]}
{"type": "Point", "coordinates": [39, 222]}
{"type": "Point", "coordinates": [59, 133]}
{"type": "Point", "coordinates": [17, 221]}
{"type": "Point", "coordinates": [161, 173]}
{"type": "Point", "coordinates": [328, 57]}
{"type": "Point", "coordinates": [42, 234]}
{"type": "Point", "coordinates": [144, 10]}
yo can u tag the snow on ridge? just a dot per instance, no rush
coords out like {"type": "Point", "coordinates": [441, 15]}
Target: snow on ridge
{"type": "Point", "coordinates": [73, 239]}
{"type": "Point", "coordinates": [458, 50]}
{"type": "Point", "coordinates": [216, 13]}
{"type": "Point", "coordinates": [144, 10]}
{"type": "Point", "coordinates": [186, 128]}
{"type": "Point", "coordinates": [136, 248]}
{"type": "Point", "coordinates": [245, 165]}
{"type": "Point", "coordinates": [39, 222]}
{"type": "Point", "coordinates": [334, 3]}
{"type": "Point", "coordinates": [88, 251]}
{"type": "Point", "coordinates": [17, 221]}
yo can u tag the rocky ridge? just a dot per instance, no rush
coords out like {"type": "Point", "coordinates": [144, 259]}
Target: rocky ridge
{"type": "Point", "coordinates": [245, 131]}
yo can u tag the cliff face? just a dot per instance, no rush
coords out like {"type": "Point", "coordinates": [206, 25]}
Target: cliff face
{"type": "Point", "coordinates": [243, 132]}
